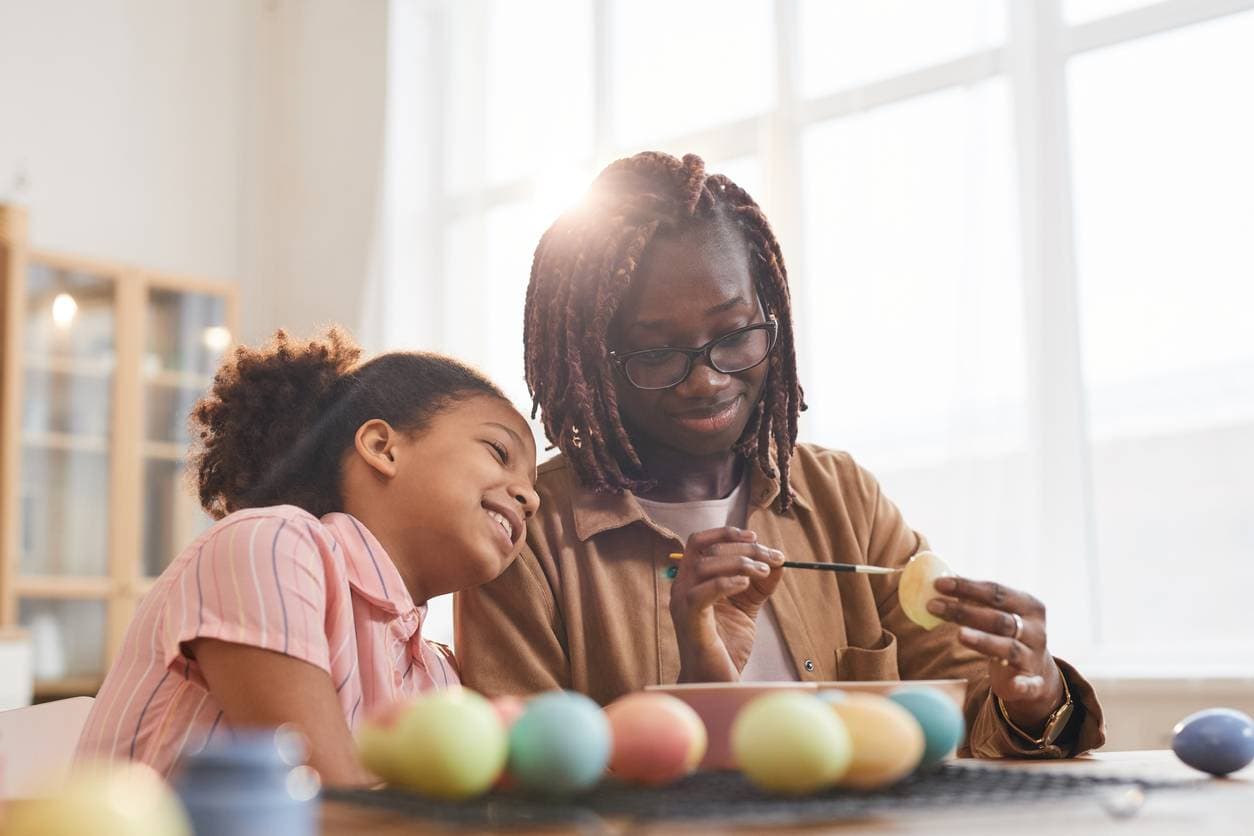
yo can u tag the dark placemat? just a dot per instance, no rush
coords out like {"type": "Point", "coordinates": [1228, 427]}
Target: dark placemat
{"type": "Point", "coordinates": [728, 797]}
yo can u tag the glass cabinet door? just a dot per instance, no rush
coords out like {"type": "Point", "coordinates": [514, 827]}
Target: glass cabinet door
{"type": "Point", "coordinates": [64, 511]}
{"type": "Point", "coordinates": [187, 335]}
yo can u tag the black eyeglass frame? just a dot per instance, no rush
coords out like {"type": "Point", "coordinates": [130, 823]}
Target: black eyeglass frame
{"type": "Point", "coordinates": [771, 326]}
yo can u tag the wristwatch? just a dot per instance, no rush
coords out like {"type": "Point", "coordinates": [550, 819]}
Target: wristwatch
{"type": "Point", "coordinates": [1054, 726]}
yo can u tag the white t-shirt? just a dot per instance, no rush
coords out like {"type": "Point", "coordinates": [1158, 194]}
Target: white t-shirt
{"type": "Point", "coordinates": [769, 660]}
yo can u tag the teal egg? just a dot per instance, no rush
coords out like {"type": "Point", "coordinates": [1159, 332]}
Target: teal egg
{"type": "Point", "coordinates": [943, 726]}
{"type": "Point", "coordinates": [560, 745]}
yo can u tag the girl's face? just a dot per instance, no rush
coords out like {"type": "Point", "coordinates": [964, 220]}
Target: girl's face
{"type": "Point", "coordinates": [463, 490]}
{"type": "Point", "coordinates": [690, 288]}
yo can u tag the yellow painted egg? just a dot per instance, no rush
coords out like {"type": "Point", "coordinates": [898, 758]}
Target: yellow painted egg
{"type": "Point", "coordinates": [915, 587]}
{"type": "Point", "coordinates": [888, 742]}
{"type": "Point", "coordinates": [790, 743]}
{"type": "Point", "coordinates": [447, 744]}
{"type": "Point", "coordinates": [118, 799]}
{"type": "Point", "coordinates": [657, 738]}
{"type": "Point", "coordinates": [376, 740]}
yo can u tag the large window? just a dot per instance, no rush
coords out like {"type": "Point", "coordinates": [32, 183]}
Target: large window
{"type": "Point", "coordinates": [1018, 236]}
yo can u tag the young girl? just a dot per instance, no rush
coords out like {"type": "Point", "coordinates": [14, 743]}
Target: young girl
{"type": "Point", "coordinates": [347, 495]}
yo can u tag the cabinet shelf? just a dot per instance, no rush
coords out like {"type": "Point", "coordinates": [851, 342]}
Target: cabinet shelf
{"type": "Point", "coordinates": [63, 586]}
{"type": "Point", "coordinates": [66, 442]}
{"type": "Point", "coordinates": [176, 379]}
{"type": "Point", "coordinates": [100, 369]}
{"type": "Point", "coordinates": [169, 451]}
{"type": "Point", "coordinates": [66, 686]}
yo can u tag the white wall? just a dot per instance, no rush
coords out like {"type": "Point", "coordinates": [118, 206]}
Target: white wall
{"type": "Point", "coordinates": [232, 139]}
{"type": "Point", "coordinates": [316, 152]}
{"type": "Point", "coordinates": [124, 116]}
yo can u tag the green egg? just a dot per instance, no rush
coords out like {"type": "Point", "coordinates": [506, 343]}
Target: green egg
{"type": "Point", "coordinates": [560, 745]}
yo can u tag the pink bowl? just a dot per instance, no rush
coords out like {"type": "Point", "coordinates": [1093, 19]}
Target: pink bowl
{"type": "Point", "coordinates": [718, 703]}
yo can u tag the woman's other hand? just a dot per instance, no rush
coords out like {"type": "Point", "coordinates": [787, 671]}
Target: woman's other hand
{"type": "Point", "coordinates": [724, 579]}
{"type": "Point", "coordinates": [1007, 626]}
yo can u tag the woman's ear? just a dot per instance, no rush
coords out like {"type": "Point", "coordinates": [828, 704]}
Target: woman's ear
{"type": "Point", "coordinates": [375, 442]}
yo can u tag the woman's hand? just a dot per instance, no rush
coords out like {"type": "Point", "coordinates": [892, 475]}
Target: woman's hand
{"type": "Point", "coordinates": [723, 580]}
{"type": "Point", "coordinates": [1007, 626]}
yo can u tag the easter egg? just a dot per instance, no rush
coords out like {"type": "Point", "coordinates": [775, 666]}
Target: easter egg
{"type": "Point", "coordinates": [939, 717]}
{"type": "Point", "coordinates": [560, 745]}
{"type": "Point", "coordinates": [376, 740]}
{"type": "Point", "coordinates": [509, 709]}
{"type": "Point", "coordinates": [915, 588]}
{"type": "Point", "coordinates": [119, 799]}
{"type": "Point", "coordinates": [447, 744]}
{"type": "Point", "coordinates": [1216, 740]}
{"type": "Point", "coordinates": [887, 741]}
{"type": "Point", "coordinates": [657, 738]}
{"type": "Point", "coordinates": [790, 743]}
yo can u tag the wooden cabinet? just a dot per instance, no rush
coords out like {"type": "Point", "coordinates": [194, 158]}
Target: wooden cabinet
{"type": "Point", "coordinates": [99, 366]}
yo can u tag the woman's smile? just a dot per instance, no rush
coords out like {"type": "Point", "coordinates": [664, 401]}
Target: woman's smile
{"type": "Point", "coordinates": [710, 419]}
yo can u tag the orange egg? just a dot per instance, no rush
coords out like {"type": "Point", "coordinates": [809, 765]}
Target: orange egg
{"type": "Point", "coordinates": [657, 738]}
{"type": "Point", "coordinates": [887, 741]}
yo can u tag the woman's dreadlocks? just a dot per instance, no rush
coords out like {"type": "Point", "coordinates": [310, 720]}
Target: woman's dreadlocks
{"type": "Point", "coordinates": [583, 266]}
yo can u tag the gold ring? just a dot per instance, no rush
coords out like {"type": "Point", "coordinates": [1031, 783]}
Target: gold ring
{"type": "Point", "coordinates": [1018, 625]}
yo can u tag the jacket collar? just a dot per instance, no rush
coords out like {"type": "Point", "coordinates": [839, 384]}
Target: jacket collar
{"type": "Point", "coordinates": [599, 512]}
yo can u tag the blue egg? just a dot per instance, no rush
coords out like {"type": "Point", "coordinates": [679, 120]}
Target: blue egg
{"type": "Point", "coordinates": [941, 719]}
{"type": "Point", "coordinates": [560, 745]}
{"type": "Point", "coordinates": [1216, 740]}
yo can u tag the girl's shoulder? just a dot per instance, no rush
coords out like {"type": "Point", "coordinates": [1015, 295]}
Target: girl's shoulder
{"type": "Point", "coordinates": [285, 527]}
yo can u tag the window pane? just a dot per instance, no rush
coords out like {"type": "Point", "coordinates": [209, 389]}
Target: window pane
{"type": "Point", "coordinates": [911, 308]}
{"type": "Point", "coordinates": [1082, 11]}
{"type": "Point", "coordinates": [539, 96]}
{"type": "Point", "coordinates": [682, 67]}
{"type": "Point", "coordinates": [67, 636]}
{"type": "Point", "coordinates": [519, 89]}
{"type": "Point", "coordinates": [845, 43]}
{"type": "Point", "coordinates": [1164, 187]}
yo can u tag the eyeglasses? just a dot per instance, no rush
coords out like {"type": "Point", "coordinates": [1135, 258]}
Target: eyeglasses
{"type": "Point", "coordinates": [735, 351]}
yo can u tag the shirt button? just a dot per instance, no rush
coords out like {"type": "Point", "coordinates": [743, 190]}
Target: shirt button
{"type": "Point", "coordinates": [396, 677]}
{"type": "Point", "coordinates": [809, 664]}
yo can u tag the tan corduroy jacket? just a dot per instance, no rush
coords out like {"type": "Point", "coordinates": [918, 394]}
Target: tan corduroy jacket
{"type": "Point", "coordinates": [585, 606]}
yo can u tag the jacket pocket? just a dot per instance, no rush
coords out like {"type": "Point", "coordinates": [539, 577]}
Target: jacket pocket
{"type": "Point", "coordinates": [868, 664]}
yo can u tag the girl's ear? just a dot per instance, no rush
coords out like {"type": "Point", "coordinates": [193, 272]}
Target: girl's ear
{"type": "Point", "coordinates": [375, 442]}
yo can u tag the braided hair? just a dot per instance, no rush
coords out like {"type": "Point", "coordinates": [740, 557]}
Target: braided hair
{"type": "Point", "coordinates": [583, 266]}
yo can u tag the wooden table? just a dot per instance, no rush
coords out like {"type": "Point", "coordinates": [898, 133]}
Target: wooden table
{"type": "Point", "coordinates": [1216, 806]}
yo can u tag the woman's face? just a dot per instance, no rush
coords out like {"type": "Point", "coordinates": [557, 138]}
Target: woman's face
{"type": "Point", "coordinates": [689, 289]}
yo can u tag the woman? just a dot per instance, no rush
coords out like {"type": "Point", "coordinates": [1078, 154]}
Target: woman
{"type": "Point", "coordinates": [659, 348]}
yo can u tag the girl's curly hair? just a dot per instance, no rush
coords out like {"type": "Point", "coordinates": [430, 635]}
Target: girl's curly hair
{"type": "Point", "coordinates": [274, 428]}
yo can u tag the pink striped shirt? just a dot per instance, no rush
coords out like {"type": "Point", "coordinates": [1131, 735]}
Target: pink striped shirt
{"type": "Point", "coordinates": [276, 578]}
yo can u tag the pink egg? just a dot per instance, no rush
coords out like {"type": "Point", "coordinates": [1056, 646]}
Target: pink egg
{"type": "Point", "coordinates": [509, 709]}
{"type": "Point", "coordinates": [657, 738]}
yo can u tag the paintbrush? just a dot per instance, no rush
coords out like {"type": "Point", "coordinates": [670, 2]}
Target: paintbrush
{"type": "Point", "coordinates": [856, 568]}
